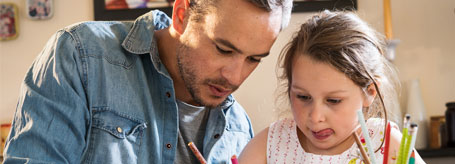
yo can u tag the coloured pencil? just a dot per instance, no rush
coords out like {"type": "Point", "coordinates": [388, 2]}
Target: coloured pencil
{"type": "Point", "coordinates": [197, 153]}
{"type": "Point", "coordinates": [234, 159]}
{"type": "Point", "coordinates": [385, 160]}
{"type": "Point", "coordinates": [407, 146]}
{"type": "Point", "coordinates": [413, 135]}
{"type": "Point", "coordinates": [401, 152]}
{"type": "Point", "coordinates": [366, 136]}
{"type": "Point", "coordinates": [362, 150]}
{"type": "Point", "coordinates": [412, 158]}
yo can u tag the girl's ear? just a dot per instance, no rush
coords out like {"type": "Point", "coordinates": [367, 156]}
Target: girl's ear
{"type": "Point", "coordinates": [371, 93]}
{"type": "Point", "coordinates": [179, 13]}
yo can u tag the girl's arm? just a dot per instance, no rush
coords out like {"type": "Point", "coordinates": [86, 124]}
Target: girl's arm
{"type": "Point", "coordinates": [395, 145]}
{"type": "Point", "coordinates": [256, 150]}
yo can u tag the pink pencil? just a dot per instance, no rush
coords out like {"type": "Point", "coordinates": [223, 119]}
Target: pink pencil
{"type": "Point", "coordinates": [234, 159]}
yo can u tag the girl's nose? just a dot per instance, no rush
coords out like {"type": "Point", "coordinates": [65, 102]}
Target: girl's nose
{"type": "Point", "coordinates": [317, 113]}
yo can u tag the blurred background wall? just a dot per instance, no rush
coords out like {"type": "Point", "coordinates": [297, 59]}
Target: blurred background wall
{"type": "Point", "coordinates": [425, 28]}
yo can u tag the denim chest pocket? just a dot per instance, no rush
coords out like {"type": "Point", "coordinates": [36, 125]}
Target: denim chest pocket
{"type": "Point", "coordinates": [237, 135]}
{"type": "Point", "coordinates": [114, 138]}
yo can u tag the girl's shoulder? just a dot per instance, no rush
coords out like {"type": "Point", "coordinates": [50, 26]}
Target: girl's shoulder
{"type": "Point", "coordinates": [376, 128]}
{"type": "Point", "coordinates": [282, 124]}
{"type": "Point", "coordinates": [375, 122]}
{"type": "Point", "coordinates": [282, 141]}
{"type": "Point", "coordinates": [283, 127]}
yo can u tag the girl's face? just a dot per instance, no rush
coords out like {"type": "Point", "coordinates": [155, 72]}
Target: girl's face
{"type": "Point", "coordinates": [324, 102]}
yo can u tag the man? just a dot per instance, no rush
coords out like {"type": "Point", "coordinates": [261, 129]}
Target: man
{"type": "Point", "coordinates": [138, 92]}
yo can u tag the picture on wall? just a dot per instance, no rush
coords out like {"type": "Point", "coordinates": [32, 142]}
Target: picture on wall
{"type": "Point", "coordinates": [8, 21]}
{"type": "Point", "coordinates": [136, 4]}
{"type": "Point", "coordinates": [39, 9]}
{"type": "Point", "coordinates": [131, 9]}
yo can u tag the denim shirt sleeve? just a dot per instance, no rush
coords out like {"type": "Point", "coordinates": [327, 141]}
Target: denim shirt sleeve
{"type": "Point", "coordinates": [51, 117]}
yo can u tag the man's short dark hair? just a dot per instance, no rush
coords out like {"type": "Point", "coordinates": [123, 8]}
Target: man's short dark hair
{"type": "Point", "coordinates": [199, 8]}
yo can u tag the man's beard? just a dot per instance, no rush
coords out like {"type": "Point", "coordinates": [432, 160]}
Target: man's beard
{"type": "Point", "coordinates": [188, 75]}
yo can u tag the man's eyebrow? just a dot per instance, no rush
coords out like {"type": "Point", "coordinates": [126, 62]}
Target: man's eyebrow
{"type": "Point", "coordinates": [230, 45]}
{"type": "Point", "coordinates": [227, 44]}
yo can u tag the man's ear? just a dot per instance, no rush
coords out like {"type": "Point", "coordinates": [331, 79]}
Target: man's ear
{"type": "Point", "coordinates": [179, 13]}
{"type": "Point", "coordinates": [370, 94]}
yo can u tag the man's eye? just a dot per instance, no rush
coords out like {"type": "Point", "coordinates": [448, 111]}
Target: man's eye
{"type": "Point", "coordinates": [333, 101]}
{"type": "Point", "coordinates": [254, 60]}
{"type": "Point", "coordinates": [223, 51]}
{"type": "Point", "coordinates": [304, 97]}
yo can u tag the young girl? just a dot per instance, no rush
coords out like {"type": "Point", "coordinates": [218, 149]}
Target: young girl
{"type": "Point", "coordinates": [333, 67]}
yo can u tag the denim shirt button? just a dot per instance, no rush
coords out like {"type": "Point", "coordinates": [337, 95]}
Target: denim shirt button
{"type": "Point", "coordinates": [168, 146]}
{"type": "Point", "coordinates": [119, 129]}
{"type": "Point", "coordinates": [168, 95]}
{"type": "Point", "coordinates": [216, 136]}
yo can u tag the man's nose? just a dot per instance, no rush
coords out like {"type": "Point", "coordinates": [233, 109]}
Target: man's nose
{"type": "Point", "coordinates": [233, 72]}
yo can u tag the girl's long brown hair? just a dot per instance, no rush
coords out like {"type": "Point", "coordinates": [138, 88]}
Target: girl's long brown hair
{"type": "Point", "coordinates": [344, 41]}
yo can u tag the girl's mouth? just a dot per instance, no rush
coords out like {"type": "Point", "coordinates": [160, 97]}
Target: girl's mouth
{"type": "Point", "coordinates": [322, 134]}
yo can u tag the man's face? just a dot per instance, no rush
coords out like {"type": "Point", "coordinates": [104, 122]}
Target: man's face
{"type": "Point", "coordinates": [217, 54]}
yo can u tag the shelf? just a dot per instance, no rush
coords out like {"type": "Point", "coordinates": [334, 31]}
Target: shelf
{"type": "Point", "coordinates": [436, 153]}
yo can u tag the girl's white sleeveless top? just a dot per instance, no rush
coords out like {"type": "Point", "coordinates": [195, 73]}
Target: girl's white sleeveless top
{"type": "Point", "coordinates": [283, 146]}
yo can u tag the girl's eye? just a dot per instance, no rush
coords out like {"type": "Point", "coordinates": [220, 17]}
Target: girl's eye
{"type": "Point", "coordinates": [222, 50]}
{"type": "Point", "coordinates": [333, 101]}
{"type": "Point", "coordinates": [304, 97]}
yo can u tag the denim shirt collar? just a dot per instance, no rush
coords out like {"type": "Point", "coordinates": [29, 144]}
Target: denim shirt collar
{"type": "Point", "coordinates": [227, 103]}
{"type": "Point", "coordinates": [140, 38]}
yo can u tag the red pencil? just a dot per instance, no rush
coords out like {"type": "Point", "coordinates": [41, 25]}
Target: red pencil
{"type": "Point", "coordinates": [385, 160]}
{"type": "Point", "coordinates": [234, 159]}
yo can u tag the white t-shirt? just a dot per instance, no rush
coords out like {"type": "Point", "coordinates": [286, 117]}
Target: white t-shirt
{"type": "Point", "coordinates": [283, 145]}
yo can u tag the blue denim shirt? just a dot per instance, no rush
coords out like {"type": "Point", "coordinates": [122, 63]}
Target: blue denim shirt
{"type": "Point", "coordinates": [98, 93]}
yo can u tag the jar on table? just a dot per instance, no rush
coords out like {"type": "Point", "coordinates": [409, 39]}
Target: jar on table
{"type": "Point", "coordinates": [4, 131]}
{"type": "Point", "coordinates": [450, 123]}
